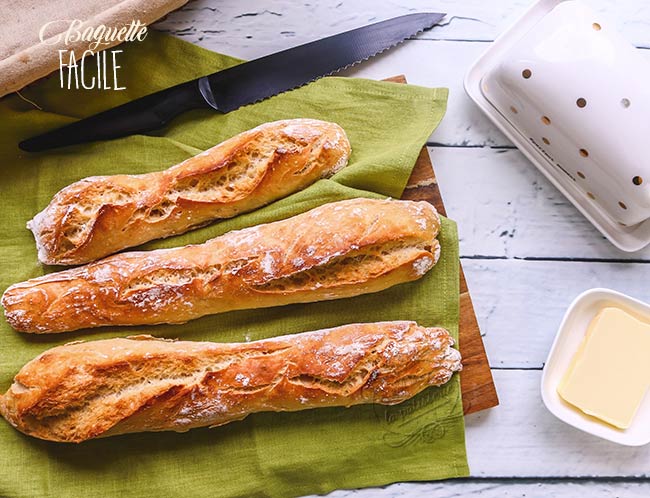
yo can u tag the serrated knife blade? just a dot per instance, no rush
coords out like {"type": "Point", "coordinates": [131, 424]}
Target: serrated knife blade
{"type": "Point", "coordinates": [240, 85]}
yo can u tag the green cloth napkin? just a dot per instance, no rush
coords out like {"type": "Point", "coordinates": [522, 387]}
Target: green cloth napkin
{"type": "Point", "coordinates": [267, 454]}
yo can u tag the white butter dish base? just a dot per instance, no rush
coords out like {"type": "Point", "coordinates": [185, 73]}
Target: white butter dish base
{"type": "Point", "coordinates": [567, 341]}
{"type": "Point", "coordinates": [572, 95]}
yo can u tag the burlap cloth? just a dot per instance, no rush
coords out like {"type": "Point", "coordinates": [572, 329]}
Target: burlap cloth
{"type": "Point", "coordinates": [24, 58]}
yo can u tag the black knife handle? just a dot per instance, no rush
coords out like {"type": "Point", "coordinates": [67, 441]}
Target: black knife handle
{"type": "Point", "coordinates": [141, 115]}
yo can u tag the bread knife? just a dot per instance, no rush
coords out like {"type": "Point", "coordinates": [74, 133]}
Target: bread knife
{"type": "Point", "coordinates": [240, 85]}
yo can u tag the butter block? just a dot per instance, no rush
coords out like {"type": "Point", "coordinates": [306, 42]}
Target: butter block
{"type": "Point", "coordinates": [610, 373]}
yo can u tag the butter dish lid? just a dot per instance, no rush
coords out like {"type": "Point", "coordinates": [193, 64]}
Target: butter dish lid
{"type": "Point", "coordinates": [567, 342]}
{"type": "Point", "coordinates": [572, 95]}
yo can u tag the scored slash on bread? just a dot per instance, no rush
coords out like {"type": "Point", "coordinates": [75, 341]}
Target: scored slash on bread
{"type": "Point", "coordinates": [101, 215]}
{"type": "Point", "coordinates": [102, 388]}
{"type": "Point", "coordinates": [337, 250]}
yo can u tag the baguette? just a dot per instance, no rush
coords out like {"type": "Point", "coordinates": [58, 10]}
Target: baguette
{"type": "Point", "coordinates": [334, 251]}
{"type": "Point", "coordinates": [100, 215]}
{"type": "Point", "coordinates": [103, 388]}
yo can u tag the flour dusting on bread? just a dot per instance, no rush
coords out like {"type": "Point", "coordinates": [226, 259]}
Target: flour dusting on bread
{"type": "Point", "coordinates": [100, 215]}
{"type": "Point", "coordinates": [94, 389]}
{"type": "Point", "coordinates": [337, 250]}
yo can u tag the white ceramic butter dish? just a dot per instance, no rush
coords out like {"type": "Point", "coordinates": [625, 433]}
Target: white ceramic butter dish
{"type": "Point", "coordinates": [573, 96]}
{"type": "Point", "coordinates": [567, 342]}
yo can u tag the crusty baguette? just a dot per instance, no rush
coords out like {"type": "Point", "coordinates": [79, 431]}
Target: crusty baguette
{"type": "Point", "coordinates": [93, 389]}
{"type": "Point", "coordinates": [337, 250]}
{"type": "Point", "coordinates": [100, 215]}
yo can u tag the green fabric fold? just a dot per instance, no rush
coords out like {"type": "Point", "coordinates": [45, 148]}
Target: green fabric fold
{"type": "Point", "coordinates": [267, 454]}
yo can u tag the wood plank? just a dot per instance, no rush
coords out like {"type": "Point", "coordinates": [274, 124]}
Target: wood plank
{"type": "Point", "coordinates": [477, 386]}
{"type": "Point", "coordinates": [500, 488]}
{"type": "Point", "coordinates": [243, 27]}
{"type": "Point", "coordinates": [514, 212]}
{"type": "Point", "coordinates": [520, 304]}
{"type": "Point", "coordinates": [522, 438]}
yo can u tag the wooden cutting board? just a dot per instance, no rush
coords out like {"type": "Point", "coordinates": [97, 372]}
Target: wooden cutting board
{"type": "Point", "coordinates": [476, 381]}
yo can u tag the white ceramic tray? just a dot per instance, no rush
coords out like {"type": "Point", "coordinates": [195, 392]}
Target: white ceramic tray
{"type": "Point", "coordinates": [567, 341]}
{"type": "Point", "coordinates": [606, 215]}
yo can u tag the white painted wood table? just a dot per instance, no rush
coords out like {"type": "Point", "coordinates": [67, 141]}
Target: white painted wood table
{"type": "Point", "coordinates": [526, 251]}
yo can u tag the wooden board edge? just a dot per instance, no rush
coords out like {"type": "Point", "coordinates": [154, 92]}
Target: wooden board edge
{"type": "Point", "coordinates": [477, 384]}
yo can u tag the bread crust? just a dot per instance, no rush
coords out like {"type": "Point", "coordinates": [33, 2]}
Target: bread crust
{"type": "Point", "coordinates": [101, 215]}
{"type": "Point", "coordinates": [94, 389]}
{"type": "Point", "coordinates": [337, 250]}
